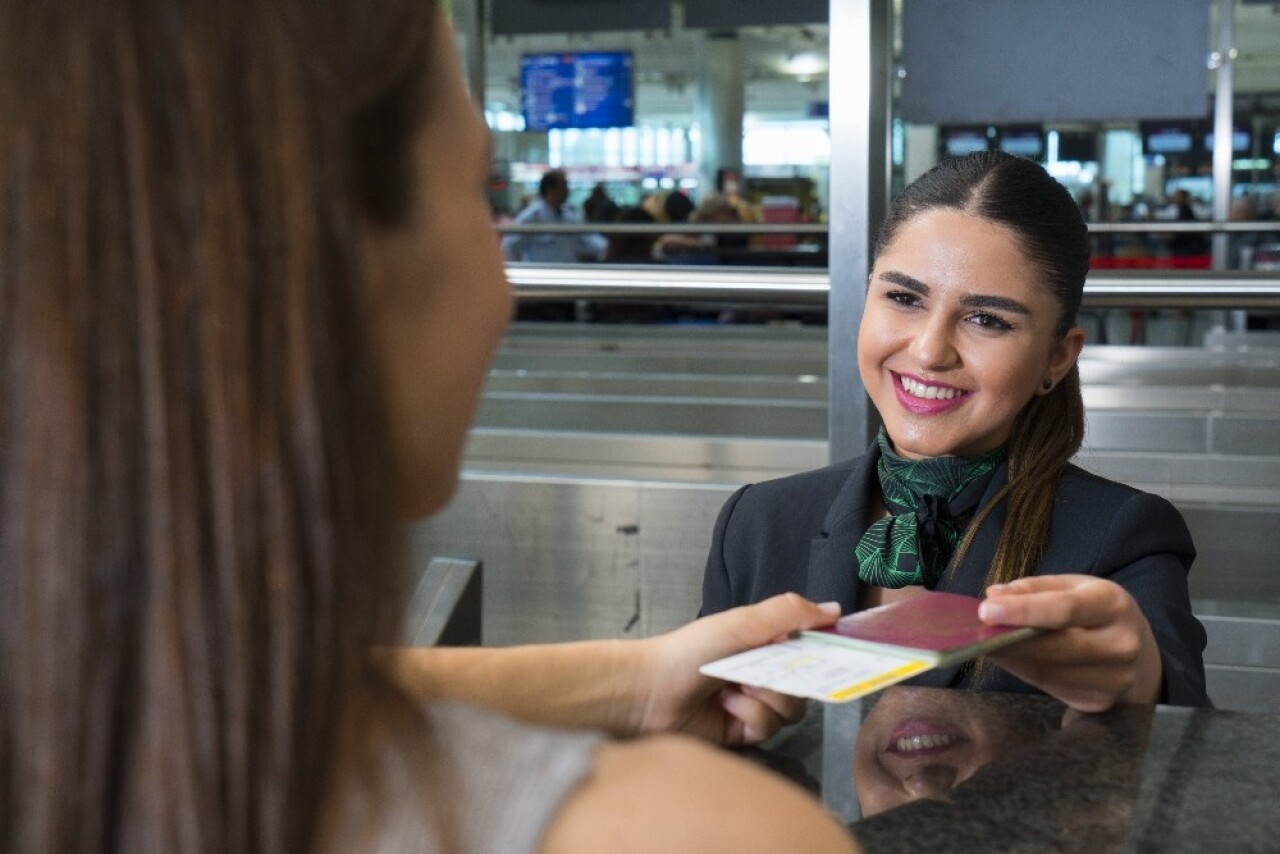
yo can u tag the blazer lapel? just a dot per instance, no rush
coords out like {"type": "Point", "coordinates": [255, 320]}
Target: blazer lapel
{"type": "Point", "coordinates": [833, 574]}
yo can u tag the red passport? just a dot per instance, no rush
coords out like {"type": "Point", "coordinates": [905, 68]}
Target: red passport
{"type": "Point", "coordinates": [941, 628]}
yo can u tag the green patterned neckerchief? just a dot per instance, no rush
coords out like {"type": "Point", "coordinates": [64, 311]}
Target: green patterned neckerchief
{"type": "Point", "coordinates": [930, 502]}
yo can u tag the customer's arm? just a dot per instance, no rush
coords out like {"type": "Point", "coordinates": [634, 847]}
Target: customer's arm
{"type": "Point", "coordinates": [627, 686]}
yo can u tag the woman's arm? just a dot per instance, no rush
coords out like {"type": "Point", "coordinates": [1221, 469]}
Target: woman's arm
{"type": "Point", "coordinates": [627, 687]}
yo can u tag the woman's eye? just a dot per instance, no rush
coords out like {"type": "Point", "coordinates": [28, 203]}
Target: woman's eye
{"type": "Point", "coordinates": [990, 321]}
{"type": "Point", "coordinates": [902, 297]}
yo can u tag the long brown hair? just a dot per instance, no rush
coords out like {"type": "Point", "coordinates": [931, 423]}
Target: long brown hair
{"type": "Point", "coordinates": [1020, 195]}
{"type": "Point", "coordinates": [195, 540]}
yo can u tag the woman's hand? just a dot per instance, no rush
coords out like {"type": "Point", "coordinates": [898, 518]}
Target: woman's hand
{"type": "Point", "coordinates": [674, 697]}
{"type": "Point", "coordinates": [1097, 650]}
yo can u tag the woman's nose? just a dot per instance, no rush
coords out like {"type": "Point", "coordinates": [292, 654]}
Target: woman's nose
{"type": "Point", "coordinates": [933, 346]}
{"type": "Point", "coordinates": [930, 781]}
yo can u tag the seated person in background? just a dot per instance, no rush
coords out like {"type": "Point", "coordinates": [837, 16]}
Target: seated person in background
{"type": "Point", "coordinates": [968, 349]}
{"type": "Point", "coordinates": [250, 291]}
{"type": "Point", "coordinates": [552, 208]}
{"type": "Point", "coordinates": [697, 248]}
{"type": "Point", "coordinates": [1187, 243]}
{"type": "Point", "coordinates": [631, 248]}
{"type": "Point", "coordinates": [599, 207]}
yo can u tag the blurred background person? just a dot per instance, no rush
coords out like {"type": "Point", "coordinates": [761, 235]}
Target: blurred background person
{"type": "Point", "coordinates": [552, 208]}
{"type": "Point", "coordinates": [599, 207]}
{"type": "Point", "coordinates": [631, 248]}
{"type": "Point", "coordinates": [687, 248]}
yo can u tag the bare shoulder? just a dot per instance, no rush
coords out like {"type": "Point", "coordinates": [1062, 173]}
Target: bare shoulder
{"type": "Point", "coordinates": [675, 794]}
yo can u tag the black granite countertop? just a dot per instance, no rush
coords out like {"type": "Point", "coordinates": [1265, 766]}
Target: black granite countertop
{"type": "Point", "coordinates": [927, 769]}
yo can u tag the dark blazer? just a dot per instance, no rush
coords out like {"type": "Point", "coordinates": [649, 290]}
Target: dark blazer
{"type": "Point", "coordinates": [798, 534]}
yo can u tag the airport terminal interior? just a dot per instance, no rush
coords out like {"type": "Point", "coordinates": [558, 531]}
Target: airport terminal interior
{"type": "Point", "coordinates": [689, 333]}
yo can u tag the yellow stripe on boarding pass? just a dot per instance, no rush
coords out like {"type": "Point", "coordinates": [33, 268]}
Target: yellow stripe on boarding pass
{"type": "Point", "coordinates": [887, 678]}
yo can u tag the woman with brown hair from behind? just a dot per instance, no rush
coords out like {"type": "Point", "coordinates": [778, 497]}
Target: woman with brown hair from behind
{"type": "Point", "coordinates": [244, 320]}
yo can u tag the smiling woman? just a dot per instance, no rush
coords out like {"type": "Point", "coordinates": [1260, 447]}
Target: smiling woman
{"type": "Point", "coordinates": [968, 349]}
{"type": "Point", "coordinates": [958, 335]}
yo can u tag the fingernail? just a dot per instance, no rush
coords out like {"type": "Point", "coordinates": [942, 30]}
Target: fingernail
{"type": "Point", "coordinates": [991, 611]}
{"type": "Point", "coordinates": [729, 701]}
{"type": "Point", "coordinates": [831, 609]}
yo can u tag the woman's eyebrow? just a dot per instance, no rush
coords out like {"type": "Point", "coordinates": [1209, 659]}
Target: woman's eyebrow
{"type": "Point", "coordinates": [908, 282]}
{"type": "Point", "coordinates": [968, 300]}
{"type": "Point", "coordinates": [1001, 303]}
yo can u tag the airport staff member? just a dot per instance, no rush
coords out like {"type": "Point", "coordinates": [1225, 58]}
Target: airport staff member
{"type": "Point", "coordinates": [968, 347]}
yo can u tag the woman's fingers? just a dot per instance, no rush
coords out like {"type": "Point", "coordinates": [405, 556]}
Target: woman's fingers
{"type": "Point", "coordinates": [751, 720]}
{"type": "Point", "coordinates": [1097, 647]}
{"type": "Point", "coordinates": [1054, 602]}
{"type": "Point", "coordinates": [788, 709]}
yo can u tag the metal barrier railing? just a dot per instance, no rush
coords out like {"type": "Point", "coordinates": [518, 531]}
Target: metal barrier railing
{"type": "Point", "coordinates": [820, 229]}
{"type": "Point", "coordinates": [779, 287]}
{"type": "Point", "coordinates": [663, 228]}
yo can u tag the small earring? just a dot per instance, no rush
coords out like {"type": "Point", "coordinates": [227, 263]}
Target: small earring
{"type": "Point", "coordinates": [1047, 384]}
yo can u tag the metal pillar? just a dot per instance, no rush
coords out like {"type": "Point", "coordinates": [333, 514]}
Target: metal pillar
{"type": "Point", "coordinates": [473, 25]}
{"type": "Point", "coordinates": [861, 104]}
{"type": "Point", "coordinates": [721, 103]}
{"type": "Point", "coordinates": [1223, 60]}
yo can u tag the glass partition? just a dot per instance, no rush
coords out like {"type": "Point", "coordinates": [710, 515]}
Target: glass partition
{"type": "Point", "coordinates": [703, 140]}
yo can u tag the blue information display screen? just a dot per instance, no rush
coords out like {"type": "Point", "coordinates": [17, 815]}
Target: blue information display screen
{"type": "Point", "coordinates": [577, 90]}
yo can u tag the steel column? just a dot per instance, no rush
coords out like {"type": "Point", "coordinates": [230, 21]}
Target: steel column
{"type": "Point", "coordinates": [861, 104]}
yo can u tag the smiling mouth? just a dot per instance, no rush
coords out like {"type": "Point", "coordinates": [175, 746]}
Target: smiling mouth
{"type": "Point", "coordinates": [909, 744]}
{"type": "Point", "coordinates": [924, 391]}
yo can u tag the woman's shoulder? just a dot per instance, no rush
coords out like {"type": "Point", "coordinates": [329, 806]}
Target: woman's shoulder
{"type": "Point", "coordinates": [1079, 485]}
{"type": "Point", "coordinates": [493, 759]}
{"type": "Point", "coordinates": [466, 779]}
{"type": "Point", "coordinates": [813, 486]}
{"type": "Point", "coordinates": [1101, 509]}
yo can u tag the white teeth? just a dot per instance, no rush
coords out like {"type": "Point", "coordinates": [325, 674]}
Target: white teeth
{"type": "Point", "coordinates": [928, 392]}
{"type": "Point", "coordinates": [924, 742]}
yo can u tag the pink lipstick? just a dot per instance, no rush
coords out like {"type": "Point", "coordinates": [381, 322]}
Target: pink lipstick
{"type": "Point", "coordinates": [919, 738]}
{"type": "Point", "coordinates": [943, 397]}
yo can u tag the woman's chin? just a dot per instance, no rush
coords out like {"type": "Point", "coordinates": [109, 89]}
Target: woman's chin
{"type": "Point", "coordinates": [427, 498]}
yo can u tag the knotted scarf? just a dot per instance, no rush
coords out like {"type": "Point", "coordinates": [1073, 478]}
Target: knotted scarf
{"type": "Point", "coordinates": [930, 502]}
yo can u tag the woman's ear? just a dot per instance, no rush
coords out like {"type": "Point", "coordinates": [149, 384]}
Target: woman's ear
{"type": "Point", "coordinates": [1064, 355]}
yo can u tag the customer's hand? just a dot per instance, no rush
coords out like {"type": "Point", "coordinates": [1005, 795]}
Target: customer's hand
{"type": "Point", "coordinates": [1097, 650]}
{"type": "Point", "coordinates": [674, 696]}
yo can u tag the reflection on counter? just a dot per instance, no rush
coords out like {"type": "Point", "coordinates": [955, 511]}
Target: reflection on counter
{"type": "Point", "coordinates": [927, 769]}
{"type": "Point", "coordinates": [951, 769]}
